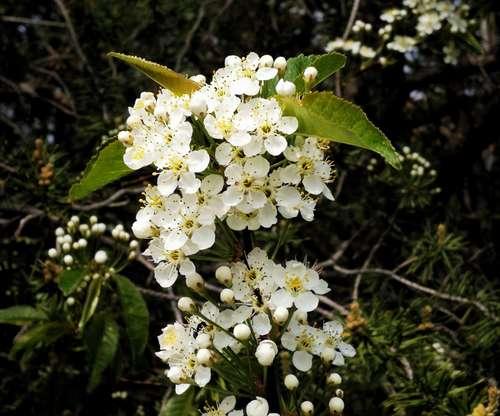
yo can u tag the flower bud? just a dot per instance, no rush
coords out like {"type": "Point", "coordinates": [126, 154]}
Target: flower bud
{"type": "Point", "coordinates": [68, 259]}
{"type": "Point", "coordinates": [82, 242]}
{"type": "Point", "coordinates": [266, 60]}
{"type": "Point", "coordinates": [59, 231]}
{"type": "Point", "coordinates": [257, 407]}
{"type": "Point", "coordinates": [100, 257]}
{"type": "Point", "coordinates": [134, 244]}
{"type": "Point", "coordinates": [336, 405]}
{"type": "Point", "coordinates": [280, 63]}
{"type": "Point", "coordinates": [291, 382]}
{"type": "Point", "coordinates": [76, 246]}
{"type": "Point", "coordinates": [75, 219]}
{"type": "Point", "coordinates": [204, 356]}
{"type": "Point", "coordinates": [310, 74]}
{"type": "Point", "coordinates": [125, 138]}
{"type": "Point", "coordinates": [199, 79]}
{"type": "Point", "coordinates": [93, 219]}
{"type": "Point", "coordinates": [242, 332]}
{"type": "Point", "coordinates": [133, 121]}
{"type": "Point", "coordinates": [280, 315]}
{"type": "Point", "coordinates": [307, 408]}
{"type": "Point", "coordinates": [198, 104]}
{"type": "Point", "coordinates": [227, 296]}
{"type": "Point", "coordinates": [334, 379]}
{"type": "Point", "coordinates": [224, 275]}
{"type": "Point", "coordinates": [52, 253]}
{"type": "Point", "coordinates": [285, 88]}
{"type": "Point", "coordinates": [195, 282]}
{"type": "Point", "coordinates": [142, 229]}
{"type": "Point", "coordinates": [203, 340]}
{"type": "Point", "coordinates": [265, 353]}
{"type": "Point", "coordinates": [186, 304]}
{"type": "Point", "coordinates": [70, 301]}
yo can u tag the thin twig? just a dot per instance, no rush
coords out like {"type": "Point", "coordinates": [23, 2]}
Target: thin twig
{"type": "Point", "coordinates": [108, 201]}
{"type": "Point", "coordinates": [33, 214]}
{"type": "Point", "coordinates": [36, 22]}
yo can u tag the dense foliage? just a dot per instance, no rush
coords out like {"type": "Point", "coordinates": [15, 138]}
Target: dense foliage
{"type": "Point", "coordinates": [410, 254]}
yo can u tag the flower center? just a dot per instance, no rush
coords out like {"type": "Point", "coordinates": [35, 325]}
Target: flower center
{"type": "Point", "coordinates": [294, 284]}
{"type": "Point", "coordinates": [177, 164]}
{"type": "Point", "coordinates": [305, 341]}
{"type": "Point", "coordinates": [174, 256]}
{"type": "Point", "coordinates": [305, 164]}
{"type": "Point", "coordinates": [169, 338]}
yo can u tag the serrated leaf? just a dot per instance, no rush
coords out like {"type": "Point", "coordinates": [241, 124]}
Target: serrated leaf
{"type": "Point", "coordinates": [21, 315]}
{"type": "Point", "coordinates": [179, 405]}
{"type": "Point", "coordinates": [105, 168]}
{"type": "Point", "coordinates": [91, 302]}
{"type": "Point", "coordinates": [69, 279]}
{"type": "Point", "coordinates": [326, 64]}
{"type": "Point", "coordinates": [167, 78]}
{"type": "Point", "coordinates": [105, 351]}
{"type": "Point", "coordinates": [135, 314]}
{"type": "Point", "coordinates": [324, 115]}
{"type": "Point", "coordinates": [44, 333]}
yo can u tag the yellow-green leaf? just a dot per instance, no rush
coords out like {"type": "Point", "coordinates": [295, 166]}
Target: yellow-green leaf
{"type": "Point", "coordinates": [21, 315]}
{"type": "Point", "coordinates": [173, 81]}
{"type": "Point", "coordinates": [69, 279]}
{"type": "Point", "coordinates": [324, 115]}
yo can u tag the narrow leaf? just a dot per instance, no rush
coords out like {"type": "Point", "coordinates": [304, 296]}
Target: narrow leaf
{"type": "Point", "coordinates": [44, 333]}
{"type": "Point", "coordinates": [91, 302]}
{"type": "Point", "coordinates": [135, 313]}
{"type": "Point", "coordinates": [105, 168]}
{"type": "Point", "coordinates": [176, 405]}
{"type": "Point", "coordinates": [105, 351]}
{"type": "Point", "coordinates": [21, 315]}
{"type": "Point", "coordinates": [327, 116]}
{"type": "Point", "coordinates": [69, 279]}
{"type": "Point", "coordinates": [173, 81]}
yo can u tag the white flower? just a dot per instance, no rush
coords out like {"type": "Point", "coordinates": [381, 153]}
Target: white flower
{"type": "Point", "coordinates": [225, 407]}
{"type": "Point", "coordinates": [304, 341]}
{"type": "Point", "coordinates": [300, 286]}
{"type": "Point", "coordinates": [333, 341]}
{"type": "Point", "coordinates": [259, 407]}
{"type": "Point", "coordinates": [174, 339]}
{"type": "Point", "coordinates": [402, 44]}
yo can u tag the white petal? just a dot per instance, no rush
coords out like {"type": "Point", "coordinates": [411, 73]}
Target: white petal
{"type": "Point", "coordinates": [212, 184]}
{"type": "Point", "coordinates": [236, 222]}
{"type": "Point", "coordinates": [257, 166]}
{"type": "Point", "coordinates": [288, 125]}
{"type": "Point", "coordinates": [327, 193]}
{"type": "Point", "coordinates": [198, 160]}
{"type": "Point", "coordinates": [167, 183]}
{"type": "Point", "coordinates": [255, 147]}
{"type": "Point", "coordinates": [202, 376]}
{"type": "Point", "coordinates": [187, 267]}
{"type": "Point", "coordinates": [210, 123]}
{"type": "Point", "coordinates": [204, 237]}
{"type": "Point", "coordinates": [306, 301]}
{"type": "Point", "coordinates": [239, 138]}
{"type": "Point", "coordinates": [281, 298]}
{"type": "Point", "coordinates": [232, 196]}
{"type": "Point", "coordinates": [289, 341]}
{"type": "Point", "coordinates": [302, 360]}
{"type": "Point", "coordinates": [265, 73]}
{"type": "Point", "coordinates": [275, 145]}
{"type": "Point", "coordinates": [189, 183]}
{"type": "Point", "coordinates": [261, 324]}
{"type": "Point", "coordinates": [174, 239]}
{"type": "Point", "coordinates": [166, 274]}
{"type": "Point", "coordinates": [288, 197]}
{"type": "Point", "coordinates": [181, 388]}
{"type": "Point", "coordinates": [313, 184]}
{"type": "Point", "coordinates": [267, 215]}
{"type": "Point", "coordinates": [346, 349]}
{"type": "Point", "coordinates": [227, 404]}
{"type": "Point", "coordinates": [224, 154]}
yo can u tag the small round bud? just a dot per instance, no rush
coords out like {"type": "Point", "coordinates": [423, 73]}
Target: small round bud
{"type": "Point", "coordinates": [291, 382]}
{"type": "Point", "coordinates": [60, 240]}
{"type": "Point", "coordinates": [96, 276]}
{"type": "Point", "coordinates": [59, 231]}
{"type": "Point", "coordinates": [86, 278]}
{"type": "Point", "coordinates": [52, 253]}
{"type": "Point", "coordinates": [334, 379]}
{"type": "Point", "coordinates": [257, 407]}
{"type": "Point", "coordinates": [133, 121]}
{"type": "Point", "coordinates": [186, 304]}
{"type": "Point", "coordinates": [204, 356]}
{"type": "Point", "coordinates": [195, 282]}
{"type": "Point", "coordinates": [142, 229]}
{"type": "Point", "coordinates": [75, 219]}
{"type": "Point", "coordinates": [101, 227]}
{"type": "Point", "coordinates": [82, 242]}
{"type": "Point", "coordinates": [203, 340]}
{"type": "Point", "coordinates": [307, 408]}
{"type": "Point", "coordinates": [134, 244]}
{"type": "Point", "coordinates": [310, 74]}
{"type": "Point", "coordinates": [93, 219]}
{"type": "Point", "coordinates": [336, 405]}
{"type": "Point", "coordinates": [242, 332]}
{"type": "Point", "coordinates": [285, 88]}
{"type": "Point", "coordinates": [224, 275]}
{"type": "Point", "coordinates": [300, 316]}
{"type": "Point", "coordinates": [68, 239]}
{"type": "Point", "coordinates": [280, 63]}
{"type": "Point", "coordinates": [100, 257]}
{"type": "Point", "coordinates": [66, 247]}
{"type": "Point", "coordinates": [198, 104]}
{"type": "Point", "coordinates": [200, 79]}
{"type": "Point", "coordinates": [125, 138]}
{"type": "Point", "coordinates": [68, 259]}
{"type": "Point", "coordinates": [227, 296]}
{"type": "Point", "coordinates": [266, 60]}
{"type": "Point", "coordinates": [70, 301]}
{"type": "Point", "coordinates": [265, 352]}
{"type": "Point", "coordinates": [339, 393]}
{"type": "Point", "coordinates": [280, 315]}
{"type": "Point", "coordinates": [75, 245]}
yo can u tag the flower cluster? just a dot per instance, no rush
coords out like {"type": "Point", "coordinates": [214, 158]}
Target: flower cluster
{"type": "Point", "coordinates": [223, 153]}
{"type": "Point", "coordinates": [424, 17]}
{"type": "Point", "coordinates": [262, 314]}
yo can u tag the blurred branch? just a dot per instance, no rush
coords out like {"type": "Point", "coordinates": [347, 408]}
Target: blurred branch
{"type": "Point", "coordinates": [33, 21]}
{"type": "Point", "coordinates": [108, 201]}
{"type": "Point", "coordinates": [189, 37]}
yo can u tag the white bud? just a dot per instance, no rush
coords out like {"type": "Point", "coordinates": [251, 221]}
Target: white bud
{"type": "Point", "coordinates": [265, 352]}
{"type": "Point", "coordinates": [232, 60]}
{"type": "Point", "coordinates": [68, 259]}
{"type": "Point", "coordinates": [96, 276]}
{"type": "Point", "coordinates": [227, 296]}
{"type": "Point", "coordinates": [280, 315]}
{"type": "Point", "coordinates": [60, 240]}
{"type": "Point", "coordinates": [66, 247]}
{"type": "Point", "coordinates": [133, 121]}
{"type": "Point", "coordinates": [257, 407]}
{"type": "Point", "coordinates": [68, 239]}
{"type": "Point", "coordinates": [199, 79]}
{"type": "Point", "coordinates": [76, 246]}
{"type": "Point", "coordinates": [125, 138]}
{"type": "Point", "coordinates": [300, 316]}
{"type": "Point", "coordinates": [59, 231]}
{"type": "Point", "coordinates": [195, 282]}
{"type": "Point", "coordinates": [285, 88]}
{"type": "Point", "coordinates": [198, 104]}
{"type": "Point", "coordinates": [95, 228]}
{"type": "Point", "coordinates": [242, 332]}
{"type": "Point", "coordinates": [100, 257]}
{"type": "Point", "coordinates": [75, 219]}
{"type": "Point", "coordinates": [291, 382]}
{"type": "Point", "coordinates": [134, 244]}
{"type": "Point", "coordinates": [186, 304]}
{"type": "Point", "coordinates": [336, 405]}
{"type": "Point", "coordinates": [280, 63]}
{"type": "Point", "coordinates": [203, 340]}
{"type": "Point", "coordinates": [142, 229]}
{"type": "Point", "coordinates": [204, 356]}
{"type": "Point", "coordinates": [93, 219]}
{"type": "Point", "coordinates": [310, 74]}
{"type": "Point", "coordinates": [52, 253]}
{"type": "Point", "coordinates": [334, 378]}
{"type": "Point", "coordinates": [307, 408]}
{"type": "Point", "coordinates": [70, 301]}
{"type": "Point", "coordinates": [82, 242]}
{"type": "Point", "coordinates": [224, 275]}
{"type": "Point", "coordinates": [266, 60]}
{"type": "Point", "coordinates": [83, 227]}
{"type": "Point", "coordinates": [101, 227]}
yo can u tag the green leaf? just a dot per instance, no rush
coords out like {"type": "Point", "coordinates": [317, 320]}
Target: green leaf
{"type": "Point", "coordinates": [173, 81]}
{"type": "Point", "coordinates": [179, 405]}
{"type": "Point", "coordinates": [105, 350]}
{"type": "Point", "coordinates": [21, 315]}
{"type": "Point", "coordinates": [135, 313]}
{"type": "Point", "coordinates": [45, 333]}
{"type": "Point", "coordinates": [69, 279]}
{"type": "Point", "coordinates": [326, 64]}
{"type": "Point", "coordinates": [327, 116]}
{"type": "Point", "coordinates": [105, 168]}
{"type": "Point", "coordinates": [91, 302]}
